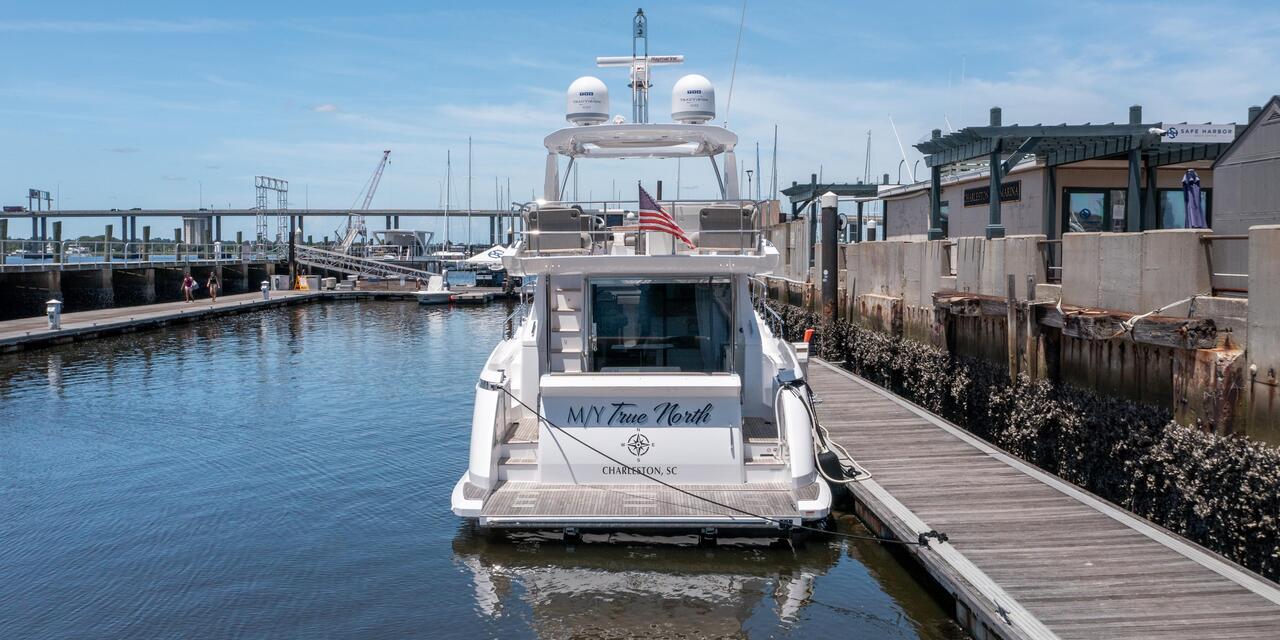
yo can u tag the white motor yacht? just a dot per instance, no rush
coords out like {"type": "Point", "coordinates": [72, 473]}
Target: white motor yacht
{"type": "Point", "coordinates": [642, 387]}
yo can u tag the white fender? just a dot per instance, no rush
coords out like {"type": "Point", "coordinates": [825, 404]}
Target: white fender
{"type": "Point", "coordinates": [794, 412]}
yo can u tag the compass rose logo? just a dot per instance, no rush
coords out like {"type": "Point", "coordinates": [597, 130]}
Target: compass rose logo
{"type": "Point", "coordinates": [638, 445]}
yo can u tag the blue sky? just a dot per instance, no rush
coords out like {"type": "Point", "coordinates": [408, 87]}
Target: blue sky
{"type": "Point", "coordinates": [145, 104]}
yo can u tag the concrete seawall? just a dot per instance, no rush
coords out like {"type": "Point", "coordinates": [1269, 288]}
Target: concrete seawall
{"type": "Point", "coordinates": [1143, 316]}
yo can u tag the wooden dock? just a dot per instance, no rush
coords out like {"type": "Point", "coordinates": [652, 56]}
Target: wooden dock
{"type": "Point", "coordinates": [1030, 555]}
{"type": "Point", "coordinates": [86, 325]}
{"type": "Point", "coordinates": [31, 332]}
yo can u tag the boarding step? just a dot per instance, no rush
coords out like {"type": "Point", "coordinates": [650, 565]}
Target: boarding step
{"type": "Point", "coordinates": [764, 459]}
{"type": "Point", "coordinates": [566, 321]}
{"type": "Point", "coordinates": [567, 300]}
{"type": "Point", "coordinates": [519, 466]}
{"type": "Point", "coordinates": [565, 342]}
{"type": "Point", "coordinates": [759, 430]}
{"type": "Point", "coordinates": [566, 362]}
{"type": "Point", "coordinates": [765, 468]}
{"type": "Point", "coordinates": [522, 431]}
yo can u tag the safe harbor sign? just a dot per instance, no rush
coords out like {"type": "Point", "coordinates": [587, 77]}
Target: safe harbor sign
{"type": "Point", "coordinates": [1201, 133]}
{"type": "Point", "coordinates": [686, 431]}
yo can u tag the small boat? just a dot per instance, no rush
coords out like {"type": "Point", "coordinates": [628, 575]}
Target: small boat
{"type": "Point", "coordinates": [437, 292]}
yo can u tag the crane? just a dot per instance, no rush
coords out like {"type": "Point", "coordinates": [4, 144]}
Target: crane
{"type": "Point", "coordinates": [355, 220]}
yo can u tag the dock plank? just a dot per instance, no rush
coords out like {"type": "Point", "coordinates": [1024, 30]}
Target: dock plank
{"type": "Point", "coordinates": [1028, 542]}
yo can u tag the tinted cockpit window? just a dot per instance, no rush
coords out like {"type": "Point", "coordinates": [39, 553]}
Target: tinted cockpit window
{"type": "Point", "coordinates": [661, 325]}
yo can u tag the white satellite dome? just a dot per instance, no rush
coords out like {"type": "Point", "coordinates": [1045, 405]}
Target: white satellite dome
{"type": "Point", "coordinates": [693, 100]}
{"type": "Point", "coordinates": [587, 102]}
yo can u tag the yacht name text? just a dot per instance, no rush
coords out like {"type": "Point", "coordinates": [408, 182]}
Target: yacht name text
{"type": "Point", "coordinates": [629, 414]}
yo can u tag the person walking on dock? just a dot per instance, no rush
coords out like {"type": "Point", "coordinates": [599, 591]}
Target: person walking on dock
{"type": "Point", "coordinates": [188, 286]}
{"type": "Point", "coordinates": [212, 285]}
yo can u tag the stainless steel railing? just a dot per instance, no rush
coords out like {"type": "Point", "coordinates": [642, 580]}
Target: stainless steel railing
{"type": "Point", "coordinates": [116, 251]}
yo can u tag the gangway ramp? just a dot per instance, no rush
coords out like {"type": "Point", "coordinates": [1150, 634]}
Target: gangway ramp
{"type": "Point", "coordinates": [356, 265]}
{"type": "Point", "coordinates": [1030, 555]}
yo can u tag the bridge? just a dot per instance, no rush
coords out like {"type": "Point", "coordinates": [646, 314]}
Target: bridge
{"type": "Point", "coordinates": [500, 221]}
{"type": "Point", "coordinates": [216, 213]}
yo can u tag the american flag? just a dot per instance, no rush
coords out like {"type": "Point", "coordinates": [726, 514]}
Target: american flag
{"type": "Point", "coordinates": [654, 218]}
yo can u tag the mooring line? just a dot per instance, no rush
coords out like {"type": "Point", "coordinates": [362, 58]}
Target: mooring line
{"type": "Point", "coordinates": [784, 525]}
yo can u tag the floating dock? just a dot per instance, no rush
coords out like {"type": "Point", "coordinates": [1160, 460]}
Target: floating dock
{"type": "Point", "coordinates": [1030, 555]}
{"type": "Point", "coordinates": [34, 331]}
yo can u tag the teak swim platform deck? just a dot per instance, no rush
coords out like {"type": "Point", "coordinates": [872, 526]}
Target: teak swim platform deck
{"type": "Point", "coordinates": [1030, 555]}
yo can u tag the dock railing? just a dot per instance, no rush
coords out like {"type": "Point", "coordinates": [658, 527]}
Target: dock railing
{"type": "Point", "coordinates": [46, 252]}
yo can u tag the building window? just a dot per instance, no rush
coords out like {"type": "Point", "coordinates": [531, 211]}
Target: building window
{"type": "Point", "coordinates": [1085, 209]}
{"type": "Point", "coordinates": [661, 325]}
{"type": "Point", "coordinates": [1173, 208]}
{"type": "Point", "coordinates": [1090, 209]}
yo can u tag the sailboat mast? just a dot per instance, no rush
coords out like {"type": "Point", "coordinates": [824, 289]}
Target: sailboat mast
{"type": "Point", "coordinates": [448, 193]}
{"type": "Point", "coordinates": [773, 173]}
{"type": "Point", "coordinates": [468, 193]}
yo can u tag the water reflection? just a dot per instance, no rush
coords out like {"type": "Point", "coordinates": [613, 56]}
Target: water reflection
{"type": "Point", "coordinates": [627, 586]}
{"type": "Point", "coordinates": [633, 585]}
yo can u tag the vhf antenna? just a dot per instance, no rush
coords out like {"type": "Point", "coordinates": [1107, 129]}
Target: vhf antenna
{"type": "Point", "coordinates": [639, 63]}
{"type": "Point", "coordinates": [640, 43]}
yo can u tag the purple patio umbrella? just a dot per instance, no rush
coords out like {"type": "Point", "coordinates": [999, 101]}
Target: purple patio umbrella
{"type": "Point", "coordinates": [1191, 198]}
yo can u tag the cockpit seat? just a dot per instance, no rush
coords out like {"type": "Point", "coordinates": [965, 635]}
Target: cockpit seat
{"type": "Point", "coordinates": [560, 230]}
{"type": "Point", "coordinates": [725, 228]}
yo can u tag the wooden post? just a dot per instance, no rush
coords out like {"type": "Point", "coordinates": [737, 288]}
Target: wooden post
{"type": "Point", "coordinates": [106, 244]}
{"type": "Point", "coordinates": [1032, 333]}
{"type": "Point", "coordinates": [1011, 327]}
{"type": "Point", "coordinates": [146, 242]}
{"type": "Point", "coordinates": [830, 274]}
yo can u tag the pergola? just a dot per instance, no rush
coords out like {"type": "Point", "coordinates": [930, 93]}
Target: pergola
{"type": "Point", "coordinates": [806, 195]}
{"type": "Point", "coordinates": [1056, 145]}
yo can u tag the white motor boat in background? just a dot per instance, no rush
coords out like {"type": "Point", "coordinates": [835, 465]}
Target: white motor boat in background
{"type": "Point", "coordinates": [643, 389]}
{"type": "Point", "coordinates": [437, 291]}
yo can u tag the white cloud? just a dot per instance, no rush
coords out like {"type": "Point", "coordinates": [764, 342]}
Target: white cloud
{"type": "Point", "coordinates": [196, 25]}
{"type": "Point", "coordinates": [325, 108]}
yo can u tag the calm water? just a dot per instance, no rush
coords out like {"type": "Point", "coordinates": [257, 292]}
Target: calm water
{"type": "Point", "coordinates": [287, 474]}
